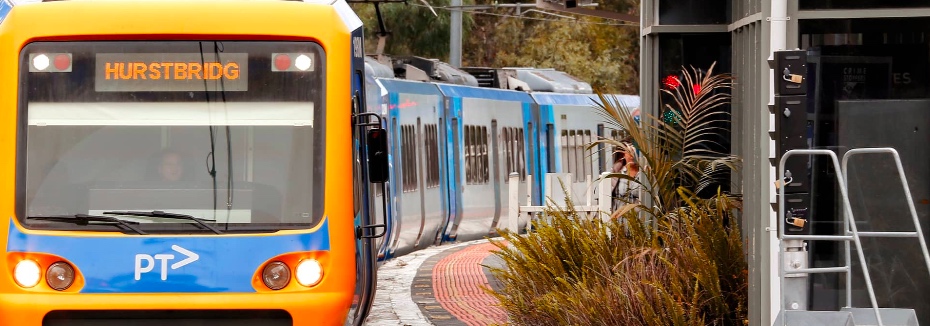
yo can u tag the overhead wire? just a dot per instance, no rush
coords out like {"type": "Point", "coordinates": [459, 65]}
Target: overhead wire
{"type": "Point", "coordinates": [574, 21]}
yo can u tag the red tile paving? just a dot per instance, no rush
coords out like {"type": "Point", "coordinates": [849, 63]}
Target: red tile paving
{"type": "Point", "coordinates": [458, 282]}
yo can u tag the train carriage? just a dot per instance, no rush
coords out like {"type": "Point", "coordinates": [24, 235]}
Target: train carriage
{"type": "Point", "coordinates": [418, 198]}
{"type": "Point", "coordinates": [568, 124]}
{"type": "Point", "coordinates": [488, 129]}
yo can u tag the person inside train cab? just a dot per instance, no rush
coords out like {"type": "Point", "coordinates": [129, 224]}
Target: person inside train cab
{"type": "Point", "coordinates": [625, 191]}
{"type": "Point", "coordinates": [168, 166]}
{"type": "Point", "coordinates": [171, 167]}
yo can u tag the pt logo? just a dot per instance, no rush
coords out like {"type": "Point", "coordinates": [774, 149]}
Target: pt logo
{"type": "Point", "coordinates": [149, 261]}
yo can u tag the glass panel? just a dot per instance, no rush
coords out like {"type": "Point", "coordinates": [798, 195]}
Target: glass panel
{"type": "Point", "coordinates": [870, 89]}
{"type": "Point", "coordinates": [698, 51]}
{"type": "Point", "coordinates": [508, 153]}
{"type": "Point", "coordinates": [181, 127]}
{"type": "Point", "coordinates": [689, 12]}
{"type": "Point", "coordinates": [860, 4]}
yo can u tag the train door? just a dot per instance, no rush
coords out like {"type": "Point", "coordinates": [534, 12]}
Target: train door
{"type": "Point", "coordinates": [442, 178]}
{"type": "Point", "coordinates": [396, 182]}
{"type": "Point", "coordinates": [409, 212]}
{"type": "Point", "coordinates": [366, 259]}
{"type": "Point", "coordinates": [534, 151]}
{"type": "Point", "coordinates": [456, 185]}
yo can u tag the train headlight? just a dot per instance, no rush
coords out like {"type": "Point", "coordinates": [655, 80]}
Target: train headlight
{"type": "Point", "coordinates": [27, 273]}
{"type": "Point", "coordinates": [309, 272]}
{"type": "Point", "coordinates": [276, 275]}
{"type": "Point", "coordinates": [59, 276]}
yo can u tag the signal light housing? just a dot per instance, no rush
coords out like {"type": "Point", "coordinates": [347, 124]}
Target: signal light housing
{"type": "Point", "coordinates": [50, 62]}
{"type": "Point", "coordinates": [276, 275]}
{"type": "Point", "coordinates": [59, 276]}
{"type": "Point", "coordinates": [299, 62]}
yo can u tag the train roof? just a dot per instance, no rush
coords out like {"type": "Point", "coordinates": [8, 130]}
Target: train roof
{"type": "Point", "coordinates": [409, 87]}
{"type": "Point", "coordinates": [484, 93]}
{"type": "Point", "coordinates": [629, 101]}
{"type": "Point", "coordinates": [535, 80]}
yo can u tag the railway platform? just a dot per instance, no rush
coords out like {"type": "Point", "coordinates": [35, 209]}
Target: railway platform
{"type": "Point", "coordinates": [439, 286]}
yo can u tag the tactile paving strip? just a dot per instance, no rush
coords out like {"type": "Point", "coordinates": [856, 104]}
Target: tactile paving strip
{"type": "Point", "coordinates": [458, 280]}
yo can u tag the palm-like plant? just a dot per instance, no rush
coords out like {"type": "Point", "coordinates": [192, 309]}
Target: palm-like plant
{"type": "Point", "coordinates": [681, 148]}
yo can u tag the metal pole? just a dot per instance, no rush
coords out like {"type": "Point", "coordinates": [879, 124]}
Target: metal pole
{"type": "Point", "coordinates": [455, 35]}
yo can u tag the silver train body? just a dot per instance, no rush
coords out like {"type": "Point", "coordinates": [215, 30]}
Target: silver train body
{"type": "Point", "coordinates": [453, 145]}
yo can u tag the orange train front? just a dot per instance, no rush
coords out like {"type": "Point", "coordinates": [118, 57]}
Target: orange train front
{"type": "Point", "coordinates": [182, 162]}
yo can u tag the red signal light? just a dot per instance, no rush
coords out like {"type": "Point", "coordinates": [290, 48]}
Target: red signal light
{"type": "Point", "coordinates": [282, 62]}
{"type": "Point", "coordinates": [62, 62]}
{"type": "Point", "coordinates": [671, 82]}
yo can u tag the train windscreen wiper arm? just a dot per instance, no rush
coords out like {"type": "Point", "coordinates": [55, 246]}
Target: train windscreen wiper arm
{"type": "Point", "coordinates": [163, 214]}
{"type": "Point", "coordinates": [84, 219]}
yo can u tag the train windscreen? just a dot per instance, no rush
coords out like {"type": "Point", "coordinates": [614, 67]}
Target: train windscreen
{"type": "Point", "coordinates": [229, 132]}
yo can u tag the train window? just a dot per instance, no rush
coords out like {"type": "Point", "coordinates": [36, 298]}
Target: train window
{"type": "Point", "coordinates": [405, 174]}
{"type": "Point", "coordinates": [521, 153]}
{"type": "Point", "coordinates": [601, 156]}
{"type": "Point", "coordinates": [408, 158]}
{"type": "Point", "coordinates": [588, 157]}
{"type": "Point", "coordinates": [412, 155]}
{"type": "Point", "coordinates": [476, 155]}
{"type": "Point", "coordinates": [401, 156]}
{"type": "Point", "coordinates": [507, 148]}
{"type": "Point", "coordinates": [513, 150]}
{"type": "Point", "coordinates": [579, 156]}
{"type": "Point", "coordinates": [469, 163]}
{"type": "Point", "coordinates": [484, 158]}
{"type": "Point", "coordinates": [432, 156]}
{"type": "Point", "coordinates": [565, 152]}
{"type": "Point", "coordinates": [469, 155]}
{"type": "Point", "coordinates": [573, 155]}
{"type": "Point", "coordinates": [575, 159]}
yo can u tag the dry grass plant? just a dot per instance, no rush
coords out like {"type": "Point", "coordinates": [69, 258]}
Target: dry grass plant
{"type": "Point", "coordinates": [681, 265]}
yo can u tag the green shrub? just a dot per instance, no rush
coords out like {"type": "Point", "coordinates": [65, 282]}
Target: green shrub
{"type": "Point", "coordinates": [674, 259]}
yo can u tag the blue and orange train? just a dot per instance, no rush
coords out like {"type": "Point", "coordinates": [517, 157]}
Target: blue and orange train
{"type": "Point", "coordinates": [236, 162]}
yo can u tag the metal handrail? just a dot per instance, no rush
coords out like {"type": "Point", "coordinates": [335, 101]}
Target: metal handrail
{"type": "Point", "coordinates": [781, 220]}
{"type": "Point", "coordinates": [910, 205]}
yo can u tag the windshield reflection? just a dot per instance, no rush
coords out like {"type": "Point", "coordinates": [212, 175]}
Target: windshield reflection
{"type": "Point", "coordinates": [258, 174]}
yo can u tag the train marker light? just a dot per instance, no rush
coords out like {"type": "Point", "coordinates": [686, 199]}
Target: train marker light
{"type": "Point", "coordinates": [27, 273]}
{"type": "Point", "coordinates": [282, 61]}
{"type": "Point", "coordinates": [59, 276]}
{"type": "Point", "coordinates": [299, 62]}
{"type": "Point", "coordinates": [309, 272]}
{"type": "Point", "coordinates": [303, 62]}
{"type": "Point", "coordinates": [50, 62]}
{"type": "Point", "coordinates": [40, 62]}
{"type": "Point", "coordinates": [276, 275]}
{"type": "Point", "coordinates": [62, 62]}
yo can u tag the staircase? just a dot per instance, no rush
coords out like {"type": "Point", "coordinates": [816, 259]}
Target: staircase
{"type": "Point", "coordinates": [848, 316]}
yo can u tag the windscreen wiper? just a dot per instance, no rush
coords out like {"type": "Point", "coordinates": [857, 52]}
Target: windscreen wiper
{"type": "Point", "coordinates": [84, 219]}
{"type": "Point", "coordinates": [163, 214]}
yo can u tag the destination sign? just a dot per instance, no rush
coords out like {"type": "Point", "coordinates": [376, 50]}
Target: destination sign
{"type": "Point", "coordinates": [171, 72]}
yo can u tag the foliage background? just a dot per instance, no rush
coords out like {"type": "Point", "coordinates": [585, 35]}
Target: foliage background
{"type": "Point", "coordinates": [602, 52]}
